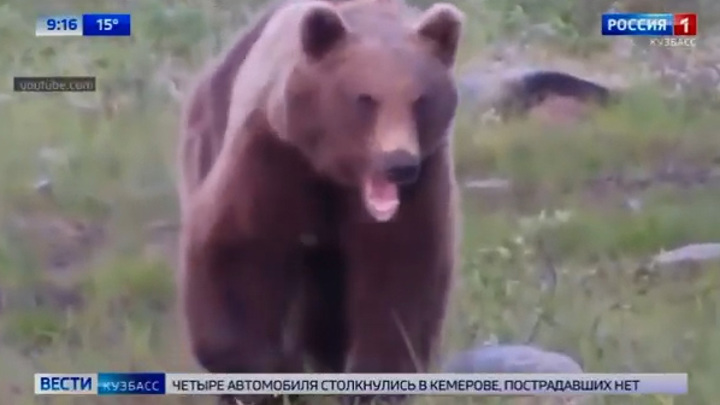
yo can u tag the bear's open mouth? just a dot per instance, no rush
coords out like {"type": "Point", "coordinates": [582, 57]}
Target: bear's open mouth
{"type": "Point", "coordinates": [381, 197]}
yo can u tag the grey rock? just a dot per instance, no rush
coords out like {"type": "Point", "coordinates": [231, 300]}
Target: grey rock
{"type": "Point", "coordinates": [515, 93]}
{"type": "Point", "coordinates": [510, 359]}
{"type": "Point", "coordinates": [634, 204]}
{"type": "Point", "coordinates": [483, 88]}
{"type": "Point", "coordinates": [44, 187]}
{"type": "Point", "coordinates": [699, 252]}
{"type": "Point", "coordinates": [488, 184]}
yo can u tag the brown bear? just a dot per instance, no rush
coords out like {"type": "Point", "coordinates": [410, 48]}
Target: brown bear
{"type": "Point", "coordinates": [318, 199]}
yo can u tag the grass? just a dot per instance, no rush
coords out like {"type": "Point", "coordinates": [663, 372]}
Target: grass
{"type": "Point", "coordinates": [111, 166]}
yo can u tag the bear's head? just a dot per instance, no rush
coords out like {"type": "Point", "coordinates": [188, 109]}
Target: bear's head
{"type": "Point", "coordinates": [374, 95]}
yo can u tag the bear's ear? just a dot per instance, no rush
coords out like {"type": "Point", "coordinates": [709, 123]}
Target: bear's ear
{"type": "Point", "coordinates": [442, 24]}
{"type": "Point", "coordinates": [321, 30]}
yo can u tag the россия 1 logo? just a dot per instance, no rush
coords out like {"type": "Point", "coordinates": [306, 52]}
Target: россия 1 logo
{"type": "Point", "coordinates": [665, 29]}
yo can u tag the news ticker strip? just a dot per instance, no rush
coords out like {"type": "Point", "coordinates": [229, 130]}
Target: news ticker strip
{"type": "Point", "coordinates": [646, 24]}
{"type": "Point", "coordinates": [54, 84]}
{"type": "Point", "coordinates": [83, 25]}
{"type": "Point", "coordinates": [360, 384]}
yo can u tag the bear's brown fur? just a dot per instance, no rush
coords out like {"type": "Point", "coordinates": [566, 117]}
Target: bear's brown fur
{"type": "Point", "coordinates": [316, 163]}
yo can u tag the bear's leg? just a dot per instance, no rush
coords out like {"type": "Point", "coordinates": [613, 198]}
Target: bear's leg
{"type": "Point", "coordinates": [324, 329]}
{"type": "Point", "coordinates": [399, 277]}
{"type": "Point", "coordinates": [397, 290]}
{"type": "Point", "coordinates": [235, 302]}
{"type": "Point", "coordinates": [398, 283]}
{"type": "Point", "coordinates": [235, 307]}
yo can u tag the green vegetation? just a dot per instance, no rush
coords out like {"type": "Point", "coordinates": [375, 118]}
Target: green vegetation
{"type": "Point", "coordinates": [109, 158]}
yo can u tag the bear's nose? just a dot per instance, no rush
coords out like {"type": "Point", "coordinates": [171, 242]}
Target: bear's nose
{"type": "Point", "coordinates": [401, 167]}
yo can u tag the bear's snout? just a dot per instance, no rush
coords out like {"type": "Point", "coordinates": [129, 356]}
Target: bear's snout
{"type": "Point", "coordinates": [400, 166]}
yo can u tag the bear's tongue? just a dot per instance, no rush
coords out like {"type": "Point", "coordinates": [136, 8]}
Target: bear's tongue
{"type": "Point", "coordinates": [381, 197]}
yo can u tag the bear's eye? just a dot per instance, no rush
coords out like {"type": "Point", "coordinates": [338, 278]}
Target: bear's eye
{"type": "Point", "coordinates": [366, 101]}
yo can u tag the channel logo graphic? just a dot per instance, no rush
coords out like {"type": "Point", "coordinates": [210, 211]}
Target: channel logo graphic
{"type": "Point", "coordinates": [71, 384]}
{"type": "Point", "coordinates": [101, 384]}
{"type": "Point", "coordinates": [131, 384]}
{"type": "Point", "coordinates": [651, 25]}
